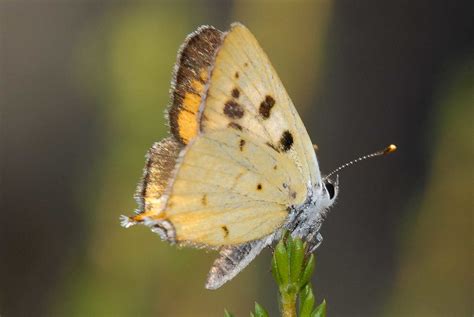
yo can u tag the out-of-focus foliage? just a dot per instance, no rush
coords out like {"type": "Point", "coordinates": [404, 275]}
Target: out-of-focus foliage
{"type": "Point", "coordinates": [436, 245]}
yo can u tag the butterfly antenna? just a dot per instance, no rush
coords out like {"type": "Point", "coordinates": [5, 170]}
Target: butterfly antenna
{"type": "Point", "coordinates": [389, 149]}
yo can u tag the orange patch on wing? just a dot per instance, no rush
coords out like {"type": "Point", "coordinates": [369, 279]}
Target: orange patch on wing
{"type": "Point", "coordinates": [191, 102]}
{"type": "Point", "coordinates": [197, 85]}
{"type": "Point", "coordinates": [187, 125]}
{"type": "Point", "coordinates": [204, 74]}
{"type": "Point", "coordinates": [153, 214]}
{"type": "Point", "coordinates": [187, 117]}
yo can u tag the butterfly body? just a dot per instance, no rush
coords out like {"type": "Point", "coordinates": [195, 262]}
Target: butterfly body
{"type": "Point", "coordinates": [239, 168]}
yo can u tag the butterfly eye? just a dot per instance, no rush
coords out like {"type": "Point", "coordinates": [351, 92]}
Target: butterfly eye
{"type": "Point", "coordinates": [330, 189]}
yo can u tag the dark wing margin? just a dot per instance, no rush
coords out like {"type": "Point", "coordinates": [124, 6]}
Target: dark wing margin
{"type": "Point", "coordinates": [190, 80]}
{"type": "Point", "coordinates": [188, 89]}
{"type": "Point", "coordinates": [159, 166]}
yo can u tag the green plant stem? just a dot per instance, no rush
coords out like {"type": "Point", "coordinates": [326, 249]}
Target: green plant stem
{"type": "Point", "coordinates": [288, 305]}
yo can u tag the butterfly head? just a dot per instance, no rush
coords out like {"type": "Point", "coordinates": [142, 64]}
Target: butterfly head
{"type": "Point", "coordinates": [331, 189]}
{"type": "Point", "coordinates": [328, 191]}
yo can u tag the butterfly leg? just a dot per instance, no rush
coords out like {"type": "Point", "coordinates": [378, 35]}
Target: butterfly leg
{"type": "Point", "coordinates": [315, 243]}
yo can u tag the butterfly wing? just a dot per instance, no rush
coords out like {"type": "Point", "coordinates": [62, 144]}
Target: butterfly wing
{"type": "Point", "coordinates": [246, 93]}
{"type": "Point", "coordinates": [229, 188]}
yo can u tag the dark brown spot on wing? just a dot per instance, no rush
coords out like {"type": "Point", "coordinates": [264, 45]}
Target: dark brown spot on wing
{"type": "Point", "coordinates": [234, 125]}
{"type": "Point", "coordinates": [291, 192]}
{"type": "Point", "coordinates": [233, 110]}
{"type": "Point", "coordinates": [226, 231]}
{"type": "Point", "coordinates": [275, 167]}
{"type": "Point", "coordinates": [259, 186]}
{"type": "Point", "coordinates": [236, 75]}
{"type": "Point", "coordinates": [266, 106]}
{"type": "Point", "coordinates": [241, 144]}
{"type": "Point", "coordinates": [204, 200]}
{"type": "Point", "coordinates": [246, 64]}
{"type": "Point", "coordinates": [235, 93]}
{"type": "Point", "coordinates": [286, 141]}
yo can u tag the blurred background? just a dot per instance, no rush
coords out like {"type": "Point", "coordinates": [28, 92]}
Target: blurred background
{"type": "Point", "coordinates": [83, 88]}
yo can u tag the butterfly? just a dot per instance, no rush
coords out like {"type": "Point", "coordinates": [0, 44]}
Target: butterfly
{"type": "Point", "coordinates": [238, 168]}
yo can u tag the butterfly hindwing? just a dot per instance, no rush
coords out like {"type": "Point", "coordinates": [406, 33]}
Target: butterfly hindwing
{"type": "Point", "coordinates": [160, 162]}
{"type": "Point", "coordinates": [230, 189]}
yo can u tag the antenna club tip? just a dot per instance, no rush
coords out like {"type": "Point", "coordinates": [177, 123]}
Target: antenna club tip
{"type": "Point", "coordinates": [390, 149]}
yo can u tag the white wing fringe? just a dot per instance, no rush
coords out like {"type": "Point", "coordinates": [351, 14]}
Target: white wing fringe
{"type": "Point", "coordinates": [126, 221]}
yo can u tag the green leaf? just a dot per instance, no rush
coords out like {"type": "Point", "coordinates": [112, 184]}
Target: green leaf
{"type": "Point", "coordinates": [289, 252]}
{"type": "Point", "coordinates": [282, 262]}
{"type": "Point", "coordinates": [306, 301]}
{"type": "Point", "coordinates": [296, 260]}
{"type": "Point", "coordinates": [275, 271]}
{"type": "Point", "coordinates": [227, 314]}
{"type": "Point", "coordinates": [260, 311]}
{"type": "Point", "coordinates": [308, 270]}
{"type": "Point", "coordinates": [320, 311]}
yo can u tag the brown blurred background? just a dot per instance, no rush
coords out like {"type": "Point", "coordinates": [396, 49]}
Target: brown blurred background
{"type": "Point", "coordinates": [83, 87]}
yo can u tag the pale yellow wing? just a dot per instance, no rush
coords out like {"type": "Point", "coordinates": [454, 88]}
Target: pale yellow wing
{"type": "Point", "coordinates": [230, 188]}
{"type": "Point", "coordinates": [245, 93]}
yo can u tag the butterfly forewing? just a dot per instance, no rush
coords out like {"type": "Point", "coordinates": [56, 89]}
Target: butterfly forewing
{"type": "Point", "coordinates": [246, 94]}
